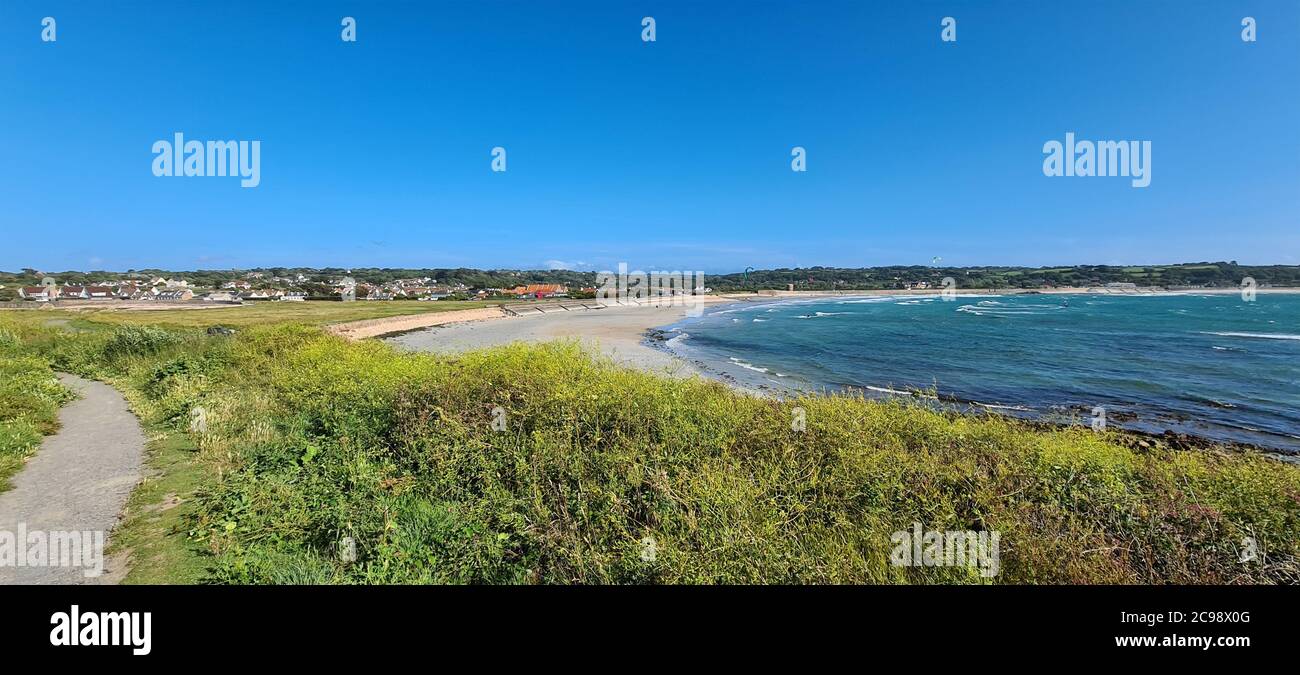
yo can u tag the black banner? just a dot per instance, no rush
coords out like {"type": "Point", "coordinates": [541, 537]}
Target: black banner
{"type": "Point", "coordinates": [938, 624]}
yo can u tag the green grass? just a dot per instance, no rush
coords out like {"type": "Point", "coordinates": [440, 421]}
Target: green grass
{"type": "Point", "coordinates": [153, 529]}
{"type": "Point", "coordinates": [239, 316]}
{"type": "Point", "coordinates": [311, 441]}
{"type": "Point", "coordinates": [30, 397]}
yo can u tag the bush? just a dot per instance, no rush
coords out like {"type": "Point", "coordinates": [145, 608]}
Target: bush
{"type": "Point", "coordinates": [313, 441]}
{"type": "Point", "coordinates": [398, 452]}
{"type": "Point", "coordinates": [132, 340]}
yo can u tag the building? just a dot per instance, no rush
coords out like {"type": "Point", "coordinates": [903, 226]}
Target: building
{"type": "Point", "coordinates": [539, 291]}
{"type": "Point", "coordinates": [174, 295]}
{"type": "Point", "coordinates": [292, 296]}
{"type": "Point", "coordinates": [73, 293]}
{"type": "Point", "coordinates": [261, 294]}
{"type": "Point", "coordinates": [36, 293]}
{"type": "Point", "coordinates": [221, 296]}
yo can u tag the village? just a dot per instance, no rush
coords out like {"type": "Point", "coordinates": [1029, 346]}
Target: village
{"type": "Point", "coordinates": [256, 287]}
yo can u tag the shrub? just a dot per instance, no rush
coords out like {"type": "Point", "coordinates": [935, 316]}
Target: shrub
{"type": "Point", "coordinates": [136, 340]}
{"type": "Point", "coordinates": [314, 440]}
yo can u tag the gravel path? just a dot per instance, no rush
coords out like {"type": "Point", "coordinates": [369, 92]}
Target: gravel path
{"type": "Point", "coordinates": [78, 481]}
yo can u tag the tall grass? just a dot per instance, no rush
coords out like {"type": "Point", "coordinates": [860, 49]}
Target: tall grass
{"type": "Point", "coordinates": [30, 397]}
{"type": "Point", "coordinates": [318, 447]}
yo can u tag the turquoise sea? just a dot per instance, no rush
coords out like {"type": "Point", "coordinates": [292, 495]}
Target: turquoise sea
{"type": "Point", "coordinates": [1214, 366]}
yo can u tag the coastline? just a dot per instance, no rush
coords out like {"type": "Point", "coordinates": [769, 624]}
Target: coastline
{"type": "Point", "coordinates": [616, 332]}
{"type": "Point", "coordinates": [637, 335]}
{"type": "Point", "coordinates": [641, 337]}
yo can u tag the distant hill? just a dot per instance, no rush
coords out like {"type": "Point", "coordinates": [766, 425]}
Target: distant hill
{"type": "Point", "coordinates": [1200, 274]}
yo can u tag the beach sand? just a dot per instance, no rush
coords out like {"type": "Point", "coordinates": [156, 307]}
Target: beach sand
{"type": "Point", "coordinates": [616, 331]}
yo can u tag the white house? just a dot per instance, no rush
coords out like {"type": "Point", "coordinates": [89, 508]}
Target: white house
{"type": "Point", "coordinates": [37, 293]}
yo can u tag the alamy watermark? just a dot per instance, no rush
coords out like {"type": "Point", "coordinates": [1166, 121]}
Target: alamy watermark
{"type": "Point", "coordinates": [75, 628]}
{"type": "Point", "coordinates": [41, 548]}
{"type": "Point", "coordinates": [1098, 422]}
{"type": "Point", "coordinates": [179, 157]}
{"type": "Point", "coordinates": [653, 289]}
{"type": "Point", "coordinates": [1098, 158]}
{"type": "Point", "coordinates": [921, 548]}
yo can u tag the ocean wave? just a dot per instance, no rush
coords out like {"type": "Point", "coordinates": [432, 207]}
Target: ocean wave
{"type": "Point", "coordinates": [1257, 336]}
{"type": "Point", "coordinates": [995, 406]}
{"type": "Point", "coordinates": [815, 315]}
{"type": "Point", "coordinates": [887, 390]}
{"type": "Point", "coordinates": [860, 301]}
{"type": "Point", "coordinates": [746, 365]}
{"type": "Point", "coordinates": [1020, 310]}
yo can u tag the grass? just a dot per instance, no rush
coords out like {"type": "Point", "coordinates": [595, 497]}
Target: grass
{"type": "Point", "coordinates": [310, 446]}
{"type": "Point", "coordinates": [241, 316]}
{"type": "Point", "coordinates": [153, 529]}
{"type": "Point", "coordinates": [30, 397]}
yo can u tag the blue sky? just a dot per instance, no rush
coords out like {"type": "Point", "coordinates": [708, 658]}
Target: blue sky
{"type": "Point", "coordinates": [670, 155]}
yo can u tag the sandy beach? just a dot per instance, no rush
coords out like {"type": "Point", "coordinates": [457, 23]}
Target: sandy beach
{"type": "Point", "coordinates": [616, 331]}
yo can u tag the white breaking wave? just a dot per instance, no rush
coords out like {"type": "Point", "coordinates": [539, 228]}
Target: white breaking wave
{"type": "Point", "coordinates": [746, 365]}
{"type": "Point", "coordinates": [1258, 336]}
{"type": "Point", "coordinates": [886, 390]}
{"type": "Point", "coordinates": [1019, 310]}
{"type": "Point", "coordinates": [883, 298]}
{"type": "Point", "coordinates": [995, 406]}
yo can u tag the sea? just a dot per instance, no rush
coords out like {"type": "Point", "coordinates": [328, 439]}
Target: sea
{"type": "Point", "coordinates": [1214, 366]}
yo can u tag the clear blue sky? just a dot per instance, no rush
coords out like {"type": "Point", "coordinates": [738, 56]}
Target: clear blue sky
{"type": "Point", "coordinates": [668, 155]}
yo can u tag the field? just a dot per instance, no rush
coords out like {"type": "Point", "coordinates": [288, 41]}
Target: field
{"type": "Point", "coordinates": [325, 461]}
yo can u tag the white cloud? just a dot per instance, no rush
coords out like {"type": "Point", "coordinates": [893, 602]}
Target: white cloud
{"type": "Point", "coordinates": [562, 265]}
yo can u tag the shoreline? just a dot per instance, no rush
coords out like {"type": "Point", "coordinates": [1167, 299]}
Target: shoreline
{"type": "Point", "coordinates": [616, 332]}
{"type": "Point", "coordinates": [639, 336]}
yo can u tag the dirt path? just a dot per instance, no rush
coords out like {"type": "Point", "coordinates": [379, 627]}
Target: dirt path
{"type": "Point", "coordinates": [78, 481]}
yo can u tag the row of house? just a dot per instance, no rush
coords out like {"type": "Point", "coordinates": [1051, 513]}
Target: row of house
{"type": "Point", "coordinates": [270, 294]}
{"type": "Point", "coordinates": [48, 293]}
